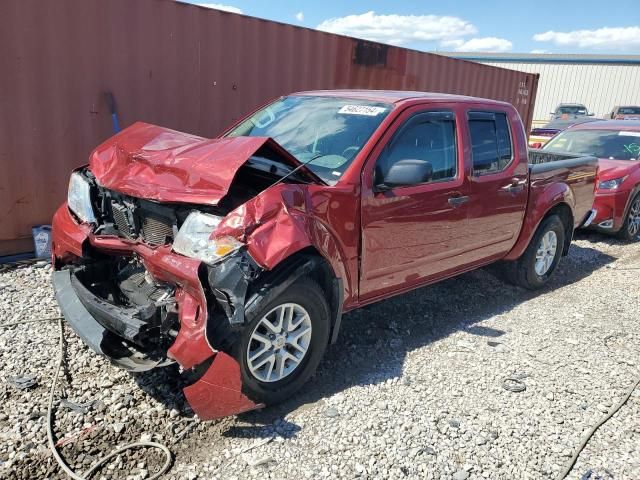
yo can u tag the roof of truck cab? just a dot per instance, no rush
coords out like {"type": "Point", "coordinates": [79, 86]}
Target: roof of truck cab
{"type": "Point", "coordinates": [397, 96]}
{"type": "Point", "coordinates": [625, 125]}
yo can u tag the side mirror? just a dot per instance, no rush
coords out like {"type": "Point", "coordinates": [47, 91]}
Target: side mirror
{"type": "Point", "coordinates": [590, 114]}
{"type": "Point", "coordinates": [536, 145]}
{"type": "Point", "coordinates": [407, 172]}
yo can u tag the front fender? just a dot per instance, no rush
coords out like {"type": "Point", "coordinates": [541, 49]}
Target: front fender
{"type": "Point", "coordinates": [284, 220]}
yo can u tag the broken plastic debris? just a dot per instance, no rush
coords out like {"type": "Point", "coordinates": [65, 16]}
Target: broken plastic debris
{"type": "Point", "coordinates": [77, 407]}
{"type": "Point", "coordinates": [23, 382]}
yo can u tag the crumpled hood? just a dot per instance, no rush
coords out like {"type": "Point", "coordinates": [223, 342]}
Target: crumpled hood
{"type": "Point", "coordinates": [610, 169]}
{"type": "Point", "coordinates": [155, 163]}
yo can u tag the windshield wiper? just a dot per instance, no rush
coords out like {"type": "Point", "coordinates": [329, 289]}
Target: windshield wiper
{"type": "Point", "coordinates": [298, 168]}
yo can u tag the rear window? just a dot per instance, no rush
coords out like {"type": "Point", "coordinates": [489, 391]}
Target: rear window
{"type": "Point", "coordinates": [572, 110]}
{"type": "Point", "coordinates": [629, 111]}
{"type": "Point", "coordinates": [490, 142]}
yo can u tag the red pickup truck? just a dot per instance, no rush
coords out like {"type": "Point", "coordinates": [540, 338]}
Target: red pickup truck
{"type": "Point", "coordinates": [236, 257]}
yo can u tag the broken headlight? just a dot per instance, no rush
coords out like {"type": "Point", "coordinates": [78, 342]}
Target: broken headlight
{"type": "Point", "coordinates": [193, 239]}
{"type": "Point", "coordinates": [79, 198]}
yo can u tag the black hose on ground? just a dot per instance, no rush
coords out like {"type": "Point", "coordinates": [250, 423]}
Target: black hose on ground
{"type": "Point", "coordinates": [572, 461]}
{"type": "Point", "coordinates": [52, 445]}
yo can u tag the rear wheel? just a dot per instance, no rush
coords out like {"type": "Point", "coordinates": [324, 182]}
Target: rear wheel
{"type": "Point", "coordinates": [536, 266]}
{"type": "Point", "coordinates": [631, 226]}
{"type": "Point", "coordinates": [283, 342]}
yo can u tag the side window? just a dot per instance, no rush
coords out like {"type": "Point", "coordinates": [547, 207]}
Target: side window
{"type": "Point", "coordinates": [428, 137]}
{"type": "Point", "coordinates": [490, 142]}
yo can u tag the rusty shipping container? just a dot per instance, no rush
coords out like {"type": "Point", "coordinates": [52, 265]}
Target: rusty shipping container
{"type": "Point", "coordinates": [181, 66]}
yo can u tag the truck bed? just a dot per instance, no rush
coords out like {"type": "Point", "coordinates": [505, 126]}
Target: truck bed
{"type": "Point", "coordinates": [577, 172]}
{"type": "Point", "coordinates": [545, 160]}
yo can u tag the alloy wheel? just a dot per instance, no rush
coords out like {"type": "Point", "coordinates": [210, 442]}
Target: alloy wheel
{"type": "Point", "coordinates": [633, 224]}
{"type": "Point", "coordinates": [546, 252]}
{"type": "Point", "coordinates": [279, 342]}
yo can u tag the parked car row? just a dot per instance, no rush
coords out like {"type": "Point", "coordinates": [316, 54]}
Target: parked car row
{"type": "Point", "coordinates": [568, 114]}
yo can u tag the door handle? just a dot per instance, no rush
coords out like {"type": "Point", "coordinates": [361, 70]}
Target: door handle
{"type": "Point", "coordinates": [515, 186]}
{"type": "Point", "coordinates": [457, 201]}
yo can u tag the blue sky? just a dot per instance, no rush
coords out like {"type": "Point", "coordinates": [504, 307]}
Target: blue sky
{"type": "Point", "coordinates": [540, 26]}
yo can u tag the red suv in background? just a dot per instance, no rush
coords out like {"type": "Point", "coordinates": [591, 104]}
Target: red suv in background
{"type": "Point", "coordinates": [617, 145]}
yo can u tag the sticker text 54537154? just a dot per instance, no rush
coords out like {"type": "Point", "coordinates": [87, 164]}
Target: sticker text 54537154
{"type": "Point", "coordinates": [367, 110]}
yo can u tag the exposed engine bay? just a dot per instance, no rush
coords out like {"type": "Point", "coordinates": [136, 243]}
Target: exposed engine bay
{"type": "Point", "coordinates": [146, 309]}
{"type": "Point", "coordinates": [157, 223]}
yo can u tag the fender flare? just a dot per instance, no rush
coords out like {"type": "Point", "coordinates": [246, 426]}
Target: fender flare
{"type": "Point", "coordinates": [551, 198]}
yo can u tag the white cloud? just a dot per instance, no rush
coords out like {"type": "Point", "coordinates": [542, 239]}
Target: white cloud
{"type": "Point", "coordinates": [484, 44]}
{"type": "Point", "coordinates": [300, 16]}
{"type": "Point", "coordinates": [220, 6]}
{"type": "Point", "coordinates": [539, 50]}
{"type": "Point", "coordinates": [625, 38]}
{"type": "Point", "coordinates": [399, 29]}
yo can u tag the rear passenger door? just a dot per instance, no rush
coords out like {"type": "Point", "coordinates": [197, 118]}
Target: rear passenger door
{"type": "Point", "coordinates": [498, 187]}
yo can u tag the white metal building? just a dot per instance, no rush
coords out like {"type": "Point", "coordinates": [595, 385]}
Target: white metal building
{"type": "Point", "coordinates": [598, 81]}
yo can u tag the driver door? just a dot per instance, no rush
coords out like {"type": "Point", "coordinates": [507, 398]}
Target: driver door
{"type": "Point", "coordinates": [414, 233]}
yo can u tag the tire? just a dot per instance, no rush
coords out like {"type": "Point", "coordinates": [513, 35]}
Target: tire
{"type": "Point", "coordinates": [523, 272]}
{"type": "Point", "coordinates": [306, 294]}
{"type": "Point", "coordinates": [631, 226]}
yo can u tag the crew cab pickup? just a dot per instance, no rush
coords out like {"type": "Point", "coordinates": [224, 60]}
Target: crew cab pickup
{"type": "Point", "coordinates": [236, 257]}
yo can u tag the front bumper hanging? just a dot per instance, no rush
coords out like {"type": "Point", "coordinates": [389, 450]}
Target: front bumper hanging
{"type": "Point", "coordinates": [111, 330]}
{"type": "Point", "coordinates": [74, 299]}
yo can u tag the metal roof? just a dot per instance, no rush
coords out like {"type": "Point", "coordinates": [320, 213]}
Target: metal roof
{"type": "Point", "coordinates": [545, 58]}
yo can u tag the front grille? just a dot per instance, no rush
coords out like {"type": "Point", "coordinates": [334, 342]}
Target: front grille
{"type": "Point", "coordinates": [121, 220]}
{"type": "Point", "coordinates": [134, 218]}
{"type": "Point", "coordinates": [156, 230]}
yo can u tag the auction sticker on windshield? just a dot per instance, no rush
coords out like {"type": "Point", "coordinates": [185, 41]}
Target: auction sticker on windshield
{"type": "Point", "coordinates": [629, 134]}
{"type": "Point", "coordinates": [362, 110]}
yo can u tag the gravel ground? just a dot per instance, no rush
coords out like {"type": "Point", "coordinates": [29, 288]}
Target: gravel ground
{"type": "Point", "coordinates": [413, 388]}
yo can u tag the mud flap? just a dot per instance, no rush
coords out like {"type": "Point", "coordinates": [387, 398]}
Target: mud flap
{"type": "Point", "coordinates": [217, 393]}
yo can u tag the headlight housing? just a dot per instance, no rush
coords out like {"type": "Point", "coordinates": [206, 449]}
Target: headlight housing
{"type": "Point", "coordinates": [611, 184]}
{"type": "Point", "coordinates": [79, 198]}
{"type": "Point", "coordinates": [193, 239]}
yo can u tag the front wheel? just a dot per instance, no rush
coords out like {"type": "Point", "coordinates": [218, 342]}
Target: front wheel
{"type": "Point", "coordinates": [283, 342]}
{"type": "Point", "coordinates": [536, 266]}
{"type": "Point", "coordinates": [631, 226]}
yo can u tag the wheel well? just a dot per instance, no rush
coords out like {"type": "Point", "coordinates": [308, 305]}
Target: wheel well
{"type": "Point", "coordinates": [565, 213]}
{"type": "Point", "coordinates": [319, 270]}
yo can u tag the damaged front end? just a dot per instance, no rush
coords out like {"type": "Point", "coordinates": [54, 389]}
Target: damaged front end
{"type": "Point", "coordinates": [165, 240]}
{"type": "Point", "coordinates": [144, 307]}
{"type": "Point", "coordinates": [119, 280]}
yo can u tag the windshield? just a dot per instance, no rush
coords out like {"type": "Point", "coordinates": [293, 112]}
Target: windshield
{"type": "Point", "coordinates": [629, 111]}
{"type": "Point", "coordinates": [571, 110]}
{"type": "Point", "coordinates": [327, 132]}
{"type": "Point", "coordinates": [613, 144]}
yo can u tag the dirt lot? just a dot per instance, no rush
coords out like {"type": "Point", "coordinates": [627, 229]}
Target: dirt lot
{"type": "Point", "coordinates": [414, 387]}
